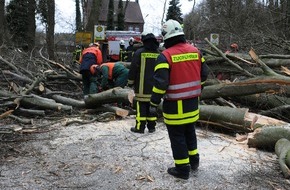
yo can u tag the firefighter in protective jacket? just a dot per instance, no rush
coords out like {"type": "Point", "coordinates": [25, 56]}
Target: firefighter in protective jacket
{"type": "Point", "coordinates": [130, 49]}
{"type": "Point", "coordinates": [141, 79]}
{"type": "Point", "coordinates": [122, 54]}
{"type": "Point", "coordinates": [179, 74]}
{"type": "Point", "coordinates": [91, 56]}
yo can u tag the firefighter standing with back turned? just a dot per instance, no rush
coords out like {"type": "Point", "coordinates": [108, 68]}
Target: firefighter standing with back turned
{"type": "Point", "coordinates": [91, 57]}
{"type": "Point", "coordinates": [179, 74]}
{"type": "Point", "coordinates": [141, 78]}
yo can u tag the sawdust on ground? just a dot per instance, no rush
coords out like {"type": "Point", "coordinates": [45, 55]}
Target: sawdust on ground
{"type": "Point", "coordinates": [108, 156]}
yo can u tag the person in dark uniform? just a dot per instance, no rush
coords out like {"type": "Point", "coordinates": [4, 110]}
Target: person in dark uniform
{"type": "Point", "coordinates": [178, 78]}
{"type": "Point", "coordinates": [122, 54]}
{"type": "Point", "coordinates": [130, 49]}
{"type": "Point", "coordinates": [141, 79]}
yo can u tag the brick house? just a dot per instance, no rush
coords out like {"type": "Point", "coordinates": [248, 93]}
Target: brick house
{"type": "Point", "coordinates": [133, 16]}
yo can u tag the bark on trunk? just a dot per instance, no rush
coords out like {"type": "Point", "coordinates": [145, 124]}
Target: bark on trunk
{"type": "Point", "coordinates": [266, 137]}
{"type": "Point", "coordinates": [282, 150]}
{"type": "Point", "coordinates": [115, 95]}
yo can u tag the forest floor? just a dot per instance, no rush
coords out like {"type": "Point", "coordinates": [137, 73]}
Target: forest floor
{"type": "Point", "coordinates": [106, 155]}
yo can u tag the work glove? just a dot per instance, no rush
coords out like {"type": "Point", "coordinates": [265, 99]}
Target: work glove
{"type": "Point", "coordinates": [153, 111]}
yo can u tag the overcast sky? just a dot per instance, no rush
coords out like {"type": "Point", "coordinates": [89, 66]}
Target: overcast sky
{"type": "Point", "coordinates": [151, 9]}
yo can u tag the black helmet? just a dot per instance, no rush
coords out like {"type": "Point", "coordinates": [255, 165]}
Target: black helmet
{"type": "Point", "coordinates": [148, 36]}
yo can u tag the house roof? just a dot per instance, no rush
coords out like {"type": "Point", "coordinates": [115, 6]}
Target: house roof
{"type": "Point", "coordinates": [133, 12]}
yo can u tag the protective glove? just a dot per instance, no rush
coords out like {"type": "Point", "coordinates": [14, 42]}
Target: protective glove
{"type": "Point", "coordinates": [153, 111]}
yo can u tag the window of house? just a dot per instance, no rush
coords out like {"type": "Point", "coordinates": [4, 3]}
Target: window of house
{"type": "Point", "coordinates": [137, 29]}
{"type": "Point", "coordinates": [130, 28]}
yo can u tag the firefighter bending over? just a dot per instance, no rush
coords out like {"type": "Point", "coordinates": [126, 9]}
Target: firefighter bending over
{"type": "Point", "coordinates": [91, 57]}
{"type": "Point", "coordinates": [114, 74]}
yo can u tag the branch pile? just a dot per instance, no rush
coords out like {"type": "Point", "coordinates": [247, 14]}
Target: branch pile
{"type": "Point", "coordinates": [245, 93]}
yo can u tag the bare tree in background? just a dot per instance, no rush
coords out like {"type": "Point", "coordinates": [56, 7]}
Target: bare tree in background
{"type": "Point", "coordinates": [31, 24]}
{"type": "Point", "coordinates": [79, 26]}
{"type": "Point", "coordinates": [93, 14]}
{"type": "Point", "coordinates": [110, 16]}
{"type": "Point", "coordinates": [46, 9]}
{"type": "Point", "coordinates": [2, 17]}
{"type": "Point", "coordinates": [50, 28]}
{"type": "Point", "coordinates": [164, 10]}
{"type": "Point", "coordinates": [250, 23]}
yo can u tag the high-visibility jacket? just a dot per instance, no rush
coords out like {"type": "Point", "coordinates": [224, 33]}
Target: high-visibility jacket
{"type": "Point", "coordinates": [178, 76]}
{"type": "Point", "coordinates": [183, 84]}
{"type": "Point", "coordinates": [113, 74]}
{"type": "Point", "coordinates": [90, 56]}
{"type": "Point", "coordinates": [110, 66]}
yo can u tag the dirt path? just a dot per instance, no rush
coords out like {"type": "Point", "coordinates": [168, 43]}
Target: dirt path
{"type": "Point", "coordinates": [108, 156]}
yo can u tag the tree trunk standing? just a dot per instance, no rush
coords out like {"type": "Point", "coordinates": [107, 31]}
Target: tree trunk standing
{"type": "Point", "coordinates": [287, 28]}
{"type": "Point", "coordinates": [93, 16]}
{"type": "Point", "coordinates": [79, 25]}
{"type": "Point", "coordinates": [50, 28]}
{"type": "Point", "coordinates": [31, 24]}
{"type": "Point", "coordinates": [2, 4]}
{"type": "Point", "coordinates": [110, 16]}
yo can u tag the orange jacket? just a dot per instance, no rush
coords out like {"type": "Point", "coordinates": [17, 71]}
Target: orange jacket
{"type": "Point", "coordinates": [96, 51]}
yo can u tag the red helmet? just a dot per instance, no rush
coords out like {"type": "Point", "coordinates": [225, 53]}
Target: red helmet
{"type": "Point", "coordinates": [234, 45]}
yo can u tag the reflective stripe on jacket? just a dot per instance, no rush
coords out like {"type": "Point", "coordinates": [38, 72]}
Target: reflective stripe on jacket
{"type": "Point", "coordinates": [183, 84]}
{"type": "Point", "coordinates": [141, 73]}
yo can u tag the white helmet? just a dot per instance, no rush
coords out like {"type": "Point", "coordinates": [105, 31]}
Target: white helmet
{"type": "Point", "coordinates": [171, 28]}
{"type": "Point", "coordinates": [131, 40]}
{"type": "Point", "coordinates": [122, 42]}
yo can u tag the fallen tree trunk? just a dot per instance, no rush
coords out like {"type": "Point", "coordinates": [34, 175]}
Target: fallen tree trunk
{"type": "Point", "coordinates": [108, 108]}
{"type": "Point", "coordinates": [68, 101]}
{"type": "Point", "coordinates": [242, 88]}
{"type": "Point", "coordinates": [43, 103]}
{"type": "Point", "coordinates": [282, 150]}
{"type": "Point", "coordinates": [266, 137]}
{"type": "Point", "coordinates": [236, 119]}
{"type": "Point", "coordinates": [115, 95]}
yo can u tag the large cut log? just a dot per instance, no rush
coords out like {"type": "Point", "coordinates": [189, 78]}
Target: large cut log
{"type": "Point", "coordinates": [68, 101]}
{"type": "Point", "coordinates": [232, 118]}
{"type": "Point", "coordinates": [242, 88]}
{"type": "Point", "coordinates": [115, 95]}
{"type": "Point", "coordinates": [235, 119]}
{"type": "Point", "coordinates": [43, 103]}
{"type": "Point", "coordinates": [282, 150]}
{"type": "Point", "coordinates": [109, 108]}
{"type": "Point", "coordinates": [266, 137]}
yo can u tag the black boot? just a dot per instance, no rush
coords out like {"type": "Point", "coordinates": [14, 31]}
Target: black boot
{"type": "Point", "coordinates": [135, 130]}
{"type": "Point", "coordinates": [180, 171]}
{"type": "Point", "coordinates": [151, 129]}
{"type": "Point", "coordinates": [151, 126]}
{"type": "Point", "coordinates": [194, 161]}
